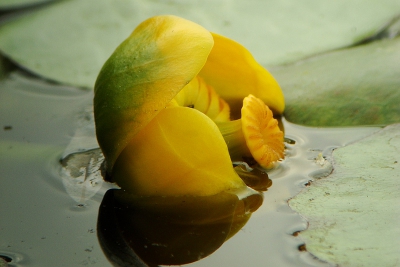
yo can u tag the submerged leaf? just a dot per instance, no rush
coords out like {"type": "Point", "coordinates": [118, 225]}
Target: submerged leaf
{"type": "Point", "coordinates": [355, 86]}
{"type": "Point", "coordinates": [354, 213]}
{"type": "Point", "coordinates": [81, 174]}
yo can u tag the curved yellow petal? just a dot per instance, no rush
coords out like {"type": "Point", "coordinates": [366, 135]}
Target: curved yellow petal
{"type": "Point", "coordinates": [180, 152]}
{"type": "Point", "coordinates": [234, 74]}
{"type": "Point", "coordinates": [145, 72]}
{"type": "Point", "coordinates": [201, 96]}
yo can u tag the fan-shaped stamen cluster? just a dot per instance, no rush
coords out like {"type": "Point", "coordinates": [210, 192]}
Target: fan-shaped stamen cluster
{"type": "Point", "coordinates": [261, 131]}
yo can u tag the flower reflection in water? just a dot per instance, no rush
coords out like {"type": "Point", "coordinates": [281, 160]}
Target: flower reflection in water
{"type": "Point", "coordinates": [151, 231]}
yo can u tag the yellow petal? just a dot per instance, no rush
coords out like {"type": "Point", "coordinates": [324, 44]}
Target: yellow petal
{"type": "Point", "coordinates": [180, 152]}
{"type": "Point", "coordinates": [201, 96]}
{"type": "Point", "coordinates": [145, 72]}
{"type": "Point", "coordinates": [262, 134]}
{"type": "Point", "coordinates": [234, 74]}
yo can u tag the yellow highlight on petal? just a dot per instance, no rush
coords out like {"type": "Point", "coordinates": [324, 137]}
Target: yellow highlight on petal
{"type": "Point", "coordinates": [261, 131]}
{"type": "Point", "coordinates": [180, 152]}
{"type": "Point", "coordinates": [234, 74]}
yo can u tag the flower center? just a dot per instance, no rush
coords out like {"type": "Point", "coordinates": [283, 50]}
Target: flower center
{"type": "Point", "coordinates": [201, 96]}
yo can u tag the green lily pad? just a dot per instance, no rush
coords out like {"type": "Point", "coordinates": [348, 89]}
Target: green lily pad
{"type": "Point", "coordinates": [12, 4]}
{"type": "Point", "coordinates": [2, 67]}
{"type": "Point", "coordinates": [354, 86]}
{"type": "Point", "coordinates": [70, 40]}
{"type": "Point", "coordinates": [354, 213]}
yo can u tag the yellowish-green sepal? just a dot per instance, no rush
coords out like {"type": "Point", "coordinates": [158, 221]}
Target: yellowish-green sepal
{"type": "Point", "coordinates": [144, 73]}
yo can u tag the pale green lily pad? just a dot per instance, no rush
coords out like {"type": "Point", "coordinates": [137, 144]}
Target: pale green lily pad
{"type": "Point", "coordinates": [355, 86]}
{"type": "Point", "coordinates": [354, 214]}
{"type": "Point", "coordinates": [69, 41]}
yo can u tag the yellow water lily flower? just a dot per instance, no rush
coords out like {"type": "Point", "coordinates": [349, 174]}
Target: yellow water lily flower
{"type": "Point", "coordinates": [158, 99]}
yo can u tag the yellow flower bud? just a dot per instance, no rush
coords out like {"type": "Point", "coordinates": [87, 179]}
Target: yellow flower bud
{"type": "Point", "coordinates": [157, 99]}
